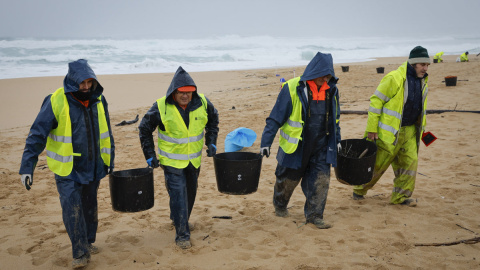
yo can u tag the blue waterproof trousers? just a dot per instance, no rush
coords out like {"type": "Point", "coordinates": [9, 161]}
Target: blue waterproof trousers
{"type": "Point", "coordinates": [182, 188]}
{"type": "Point", "coordinates": [79, 213]}
{"type": "Point", "coordinates": [315, 177]}
{"type": "Point", "coordinates": [314, 171]}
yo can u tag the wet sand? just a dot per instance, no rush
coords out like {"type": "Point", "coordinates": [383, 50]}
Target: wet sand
{"type": "Point", "coordinates": [366, 234]}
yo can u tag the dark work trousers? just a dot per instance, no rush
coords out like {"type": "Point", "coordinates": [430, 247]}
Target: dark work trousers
{"type": "Point", "coordinates": [314, 172]}
{"type": "Point", "coordinates": [182, 188]}
{"type": "Point", "coordinates": [79, 212]}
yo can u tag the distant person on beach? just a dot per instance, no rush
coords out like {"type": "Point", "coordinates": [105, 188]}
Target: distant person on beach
{"type": "Point", "coordinates": [181, 119]}
{"type": "Point", "coordinates": [438, 57]}
{"type": "Point", "coordinates": [307, 112]}
{"type": "Point", "coordinates": [464, 57]}
{"type": "Point", "coordinates": [74, 125]}
{"type": "Point", "coordinates": [396, 122]}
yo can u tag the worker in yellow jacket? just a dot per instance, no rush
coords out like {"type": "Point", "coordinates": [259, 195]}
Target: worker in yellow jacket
{"type": "Point", "coordinates": [185, 120]}
{"type": "Point", "coordinates": [464, 57]}
{"type": "Point", "coordinates": [396, 121]}
{"type": "Point", "coordinates": [73, 125]}
{"type": "Point", "coordinates": [438, 57]}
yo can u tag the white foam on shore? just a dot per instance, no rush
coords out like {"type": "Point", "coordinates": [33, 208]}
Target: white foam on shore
{"type": "Point", "coordinates": [49, 57]}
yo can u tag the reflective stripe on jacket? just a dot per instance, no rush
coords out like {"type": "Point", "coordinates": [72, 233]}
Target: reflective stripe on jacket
{"type": "Point", "coordinates": [178, 144]}
{"type": "Point", "coordinates": [59, 142]}
{"type": "Point", "coordinates": [386, 105]}
{"type": "Point", "coordinates": [291, 131]}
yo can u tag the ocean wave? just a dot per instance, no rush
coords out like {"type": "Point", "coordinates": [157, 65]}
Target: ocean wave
{"type": "Point", "coordinates": [49, 57]}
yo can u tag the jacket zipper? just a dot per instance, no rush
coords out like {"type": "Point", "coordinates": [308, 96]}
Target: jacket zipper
{"type": "Point", "coordinates": [95, 145]}
{"type": "Point", "coordinates": [327, 108]}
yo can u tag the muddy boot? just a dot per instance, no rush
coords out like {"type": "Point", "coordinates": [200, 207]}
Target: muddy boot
{"type": "Point", "coordinates": [281, 212]}
{"type": "Point", "coordinates": [81, 262]}
{"type": "Point", "coordinates": [184, 244]}
{"type": "Point", "coordinates": [357, 197]}
{"type": "Point", "coordinates": [92, 249]}
{"type": "Point", "coordinates": [321, 224]}
{"type": "Point", "coordinates": [409, 202]}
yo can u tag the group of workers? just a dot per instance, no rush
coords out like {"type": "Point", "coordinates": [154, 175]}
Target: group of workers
{"type": "Point", "coordinates": [462, 58]}
{"type": "Point", "coordinates": [74, 126]}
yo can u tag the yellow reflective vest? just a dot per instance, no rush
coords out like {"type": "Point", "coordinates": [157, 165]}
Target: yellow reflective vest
{"type": "Point", "coordinates": [464, 57]}
{"type": "Point", "coordinates": [291, 131]}
{"type": "Point", "coordinates": [386, 105]}
{"type": "Point", "coordinates": [59, 142]}
{"type": "Point", "coordinates": [179, 145]}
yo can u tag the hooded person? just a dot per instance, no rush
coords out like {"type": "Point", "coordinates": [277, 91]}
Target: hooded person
{"type": "Point", "coordinates": [307, 112]}
{"type": "Point", "coordinates": [396, 122]}
{"type": "Point", "coordinates": [74, 126]}
{"type": "Point", "coordinates": [185, 120]}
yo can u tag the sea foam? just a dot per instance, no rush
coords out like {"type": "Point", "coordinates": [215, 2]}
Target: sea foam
{"type": "Point", "coordinates": [49, 57]}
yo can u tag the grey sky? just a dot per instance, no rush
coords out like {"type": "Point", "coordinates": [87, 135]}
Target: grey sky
{"type": "Point", "coordinates": [197, 18]}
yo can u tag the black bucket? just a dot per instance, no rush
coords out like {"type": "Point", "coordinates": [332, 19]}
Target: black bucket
{"type": "Point", "coordinates": [345, 68]}
{"type": "Point", "coordinates": [237, 173]}
{"type": "Point", "coordinates": [352, 170]}
{"type": "Point", "coordinates": [132, 190]}
{"type": "Point", "coordinates": [435, 60]}
{"type": "Point", "coordinates": [451, 80]}
{"type": "Point", "coordinates": [380, 69]}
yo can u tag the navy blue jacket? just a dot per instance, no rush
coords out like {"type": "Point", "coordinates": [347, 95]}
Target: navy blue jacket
{"type": "Point", "coordinates": [321, 65]}
{"type": "Point", "coordinates": [413, 107]}
{"type": "Point", "coordinates": [151, 120]}
{"type": "Point", "coordinates": [85, 129]}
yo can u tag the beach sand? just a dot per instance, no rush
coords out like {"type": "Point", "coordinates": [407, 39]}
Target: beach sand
{"type": "Point", "coordinates": [368, 234]}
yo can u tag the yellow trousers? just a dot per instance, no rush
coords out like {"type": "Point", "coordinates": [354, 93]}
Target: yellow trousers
{"type": "Point", "coordinates": [404, 160]}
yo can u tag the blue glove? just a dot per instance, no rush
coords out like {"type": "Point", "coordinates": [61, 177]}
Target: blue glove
{"type": "Point", "coordinates": [212, 150]}
{"type": "Point", "coordinates": [153, 162]}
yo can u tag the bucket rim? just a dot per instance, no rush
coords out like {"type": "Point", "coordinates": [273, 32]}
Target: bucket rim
{"type": "Point", "coordinates": [218, 156]}
{"type": "Point", "coordinates": [357, 140]}
{"type": "Point", "coordinates": [147, 171]}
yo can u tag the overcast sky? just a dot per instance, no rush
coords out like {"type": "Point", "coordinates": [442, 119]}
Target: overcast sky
{"type": "Point", "coordinates": [207, 18]}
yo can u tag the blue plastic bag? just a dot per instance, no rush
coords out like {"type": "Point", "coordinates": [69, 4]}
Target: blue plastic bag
{"type": "Point", "coordinates": [239, 138]}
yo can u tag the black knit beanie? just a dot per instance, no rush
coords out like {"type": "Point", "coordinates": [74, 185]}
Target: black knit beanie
{"type": "Point", "coordinates": [418, 55]}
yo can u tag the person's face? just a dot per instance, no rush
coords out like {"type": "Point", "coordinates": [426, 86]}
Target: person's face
{"type": "Point", "coordinates": [183, 98]}
{"type": "Point", "coordinates": [85, 85]}
{"type": "Point", "coordinates": [421, 69]}
{"type": "Point", "coordinates": [320, 80]}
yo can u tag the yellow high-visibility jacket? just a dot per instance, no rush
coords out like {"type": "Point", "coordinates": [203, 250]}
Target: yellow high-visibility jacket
{"type": "Point", "coordinates": [438, 56]}
{"type": "Point", "coordinates": [179, 145]}
{"type": "Point", "coordinates": [387, 103]}
{"type": "Point", "coordinates": [291, 131]}
{"type": "Point", "coordinates": [59, 142]}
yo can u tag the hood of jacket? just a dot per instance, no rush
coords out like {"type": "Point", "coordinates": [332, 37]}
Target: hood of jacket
{"type": "Point", "coordinates": [78, 71]}
{"type": "Point", "coordinates": [180, 79]}
{"type": "Point", "coordinates": [321, 65]}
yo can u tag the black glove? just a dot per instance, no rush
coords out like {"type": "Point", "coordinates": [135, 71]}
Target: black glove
{"type": "Point", "coordinates": [212, 150]}
{"type": "Point", "coordinates": [153, 162]}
